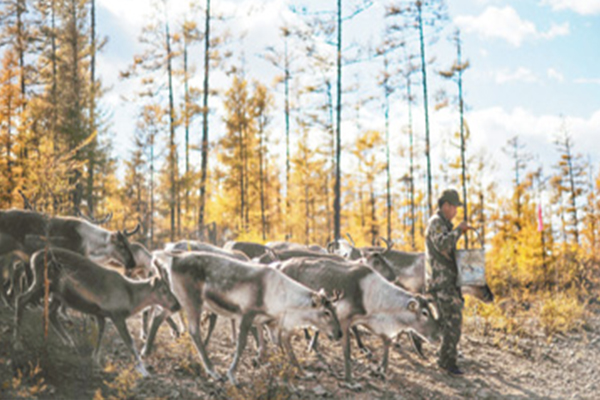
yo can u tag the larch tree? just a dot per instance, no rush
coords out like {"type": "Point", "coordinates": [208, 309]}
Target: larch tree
{"type": "Point", "coordinates": [455, 72]}
{"type": "Point", "coordinates": [572, 170]}
{"type": "Point", "coordinates": [331, 23]}
{"type": "Point", "coordinates": [419, 14]}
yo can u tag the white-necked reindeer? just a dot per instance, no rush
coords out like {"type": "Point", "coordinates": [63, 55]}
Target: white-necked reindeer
{"type": "Point", "coordinates": [249, 294]}
{"type": "Point", "coordinates": [81, 284]}
{"type": "Point", "coordinates": [368, 300]}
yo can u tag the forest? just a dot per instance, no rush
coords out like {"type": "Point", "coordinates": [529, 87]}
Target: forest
{"type": "Point", "coordinates": [217, 155]}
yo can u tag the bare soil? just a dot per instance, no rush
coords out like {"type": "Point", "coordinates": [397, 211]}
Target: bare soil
{"type": "Point", "coordinates": [496, 366]}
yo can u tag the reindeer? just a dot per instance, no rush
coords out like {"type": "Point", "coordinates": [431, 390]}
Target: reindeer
{"type": "Point", "coordinates": [85, 286]}
{"type": "Point", "coordinates": [30, 231]}
{"type": "Point", "coordinates": [251, 295]}
{"type": "Point", "coordinates": [368, 300]}
{"type": "Point", "coordinates": [192, 245]}
{"type": "Point", "coordinates": [251, 249]}
{"type": "Point", "coordinates": [144, 268]}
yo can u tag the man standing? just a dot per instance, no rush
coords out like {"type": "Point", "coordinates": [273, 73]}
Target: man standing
{"type": "Point", "coordinates": [441, 275]}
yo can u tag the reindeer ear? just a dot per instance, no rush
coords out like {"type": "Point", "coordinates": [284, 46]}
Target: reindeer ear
{"type": "Point", "coordinates": [413, 305]}
{"type": "Point", "coordinates": [317, 298]}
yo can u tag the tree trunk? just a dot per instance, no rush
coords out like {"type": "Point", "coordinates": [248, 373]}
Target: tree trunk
{"type": "Point", "coordinates": [91, 152]}
{"type": "Point", "coordinates": [204, 150]}
{"type": "Point", "coordinates": [172, 149]}
{"type": "Point", "coordinates": [426, 109]}
{"type": "Point", "coordinates": [462, 140]}
{"type": "Point", "coordinates": [338, 149]}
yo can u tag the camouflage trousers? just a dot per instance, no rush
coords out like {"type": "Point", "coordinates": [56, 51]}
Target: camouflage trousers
{"type": "Point", "coordinates": [450, 304]}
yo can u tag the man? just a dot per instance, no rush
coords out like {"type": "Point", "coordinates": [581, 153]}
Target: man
{"type": "Point", "coordinates": [441, 275]}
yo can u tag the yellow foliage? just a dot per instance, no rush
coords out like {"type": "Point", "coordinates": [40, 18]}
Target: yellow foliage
{"type": "Point", "coordinates": [561, 313]}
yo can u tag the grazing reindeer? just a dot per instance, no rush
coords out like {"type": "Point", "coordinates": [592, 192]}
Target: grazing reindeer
{"type": "Point", "coordinates": [192, 245]}
{"type": "Point", "coordinates": [30, 231]}
{"type": "Point", "coordinates": [251, 295]}
{"type": "Point", "coordinates": [145, 269]}
{"type": "Point", "coordinates": [85, 286]}
{"type": "Point", "coordinates": [251, 249]}
{"type": "Point", "coordinates": [368, 300]}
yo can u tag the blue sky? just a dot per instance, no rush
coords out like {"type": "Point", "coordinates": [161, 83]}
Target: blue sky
{"type": "Point", "coordinates": [533, 64]}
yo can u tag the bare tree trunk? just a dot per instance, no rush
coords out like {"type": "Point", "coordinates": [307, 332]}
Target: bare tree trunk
{"type": "Point", "coordinates": [426, 109]}
{"type": "Point", "coordinates": [462, 138]}
{"type": "Point", "coordinates": [413, 220]}
{"type": "Point", "coordinates": [262, 184]}
{"type": "Point", "coordinates": [573, 193]}
{"type": "Point", "coordinates": [204, 151]}
{"type": "Point", "coordinates": [338, 149]}
{"type": "Point", "coordinates": [186, 121]}
{"type": "Point", "coordinates": [287, 130]}
{"type": "Point", "coordinates": [387, 91]}
{"type": "Point", "coordinates": [152, 192]}
{"type": "Point", "coordinates": [91, 152]}
{"type": "Point", "coordinates": [172, 200]}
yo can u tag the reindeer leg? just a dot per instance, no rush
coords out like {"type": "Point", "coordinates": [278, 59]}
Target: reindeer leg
{"type": "Point", "coordinates": [360, 344]}
{"type": "Point", "coordinates": [157, 320]}
{"type": "Point", "coordinates": [193, 313]}
{"type": "Point", "coordinates": [245, 325]}
{"type": "Point", "coordinates": [233, 331]}
{"type": "Point", "coordinates": [382, 369]}
{"type": "Point", "coordinates": [287, 346]}
{"type": "Point", "coordinates": [417, 344]}
{"type": "Point", "coordinates": [101, 324]}
{"type": "Point", "coordinates": [174, 327]}
{"type": "Point", "coordinates": [262, 349]}
{"type": "Point", "coordinates": [57, 325]}
{"type": "Point", "coordinates": [145, 318]}
{"type": "Point", "coordinates": [314, 343]}
{"type": "Point", "coordinates": [124, 332]}
{"type": "Point", "coordinates": [347, 359]}
{"type": "Point", "coordinates": [4, 295]}
{"type": "Point", "coordinates": [23, 299]}
{"type": "Point", "coordinates": [212, 321]}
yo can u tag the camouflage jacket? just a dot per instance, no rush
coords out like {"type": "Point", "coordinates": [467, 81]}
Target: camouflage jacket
{"type": "Point", "coordinates": [441, 271]}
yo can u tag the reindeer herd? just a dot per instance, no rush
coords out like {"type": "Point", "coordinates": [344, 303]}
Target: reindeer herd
{"type": "Point", "coordinates": [274, 289]}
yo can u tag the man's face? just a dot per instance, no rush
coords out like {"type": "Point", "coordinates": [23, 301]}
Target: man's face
{"type": "Point", "coordinates": [449, 211]}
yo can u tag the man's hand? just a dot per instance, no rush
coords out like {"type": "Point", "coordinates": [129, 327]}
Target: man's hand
{"type": "Point", "coordinates": [463, 226]}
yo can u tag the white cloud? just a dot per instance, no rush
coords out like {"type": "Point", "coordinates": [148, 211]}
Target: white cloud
{"type": "Point", "coordinates": [554, 74]}
{"type": "Point", "coordinates": [595, 81]}
{"type": "Point", "coordinates": [556, 30]}
{"type": "Point", "coordinates": [521, 74]}
{"type": "Point", "coordinates": [583, 7]}
{"type": "Point", "coordinates": [505, 23]}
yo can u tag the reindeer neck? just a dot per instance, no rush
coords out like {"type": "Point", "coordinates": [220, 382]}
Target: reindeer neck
{"type": "Point", "coordinates": [140, 295]}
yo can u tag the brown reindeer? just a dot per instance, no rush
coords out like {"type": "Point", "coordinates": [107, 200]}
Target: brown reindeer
{"type": "Point", "coordinates": [81, 284]}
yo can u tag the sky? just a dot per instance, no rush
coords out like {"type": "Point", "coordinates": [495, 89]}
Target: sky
{"type": "Point", "coordinates": [534, 67]}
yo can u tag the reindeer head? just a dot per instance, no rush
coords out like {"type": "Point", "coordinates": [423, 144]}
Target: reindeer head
{"type": "Point", "coordinates": [426, 321]}
{"type": "Point", "coordinates": [162, 289]}
{"type": "Point", "coordinates": [119, 249]}
{"type": "Point", "coordinates": [377, 261]}
{"type": "Point", "coordinates": [326, 317]}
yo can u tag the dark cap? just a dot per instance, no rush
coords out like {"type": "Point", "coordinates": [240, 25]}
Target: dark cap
{"type": "Point", "coordinates": [450, 196]}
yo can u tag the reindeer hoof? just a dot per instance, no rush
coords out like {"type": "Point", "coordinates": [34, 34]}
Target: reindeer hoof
{"type": "Point", "coordinates": [142, 370]}
{"type": "Point", "coordinates": [378, 372]}
{"type": "Point", "coordinates": [232, 379]}
{"type": "Point", "coordinates": [367, 353]}
{"type": "Point", "coordinates": [216, 376]}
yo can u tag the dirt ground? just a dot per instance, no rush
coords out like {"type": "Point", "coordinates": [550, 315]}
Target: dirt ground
{"type": "Point", "coordinates": [496, 367]}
